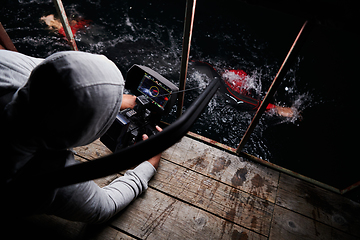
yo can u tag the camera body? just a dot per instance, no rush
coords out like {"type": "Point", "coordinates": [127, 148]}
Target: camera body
{"type": "Point", "coordinates": [155, 97]}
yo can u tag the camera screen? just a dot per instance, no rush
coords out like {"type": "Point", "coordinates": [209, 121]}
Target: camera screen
{"type": "Point", "coordinates": [157, 92]}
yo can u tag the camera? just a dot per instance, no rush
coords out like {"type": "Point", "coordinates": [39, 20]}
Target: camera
{"type": "Point", "coordinates": [155, 97]}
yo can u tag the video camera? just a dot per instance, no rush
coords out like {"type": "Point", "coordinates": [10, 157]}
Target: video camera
{"type": "Point", "coordinates": [155, 97]}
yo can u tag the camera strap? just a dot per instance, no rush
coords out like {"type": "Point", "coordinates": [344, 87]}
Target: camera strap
{"type": "Point", "coordinates": [189, 89]}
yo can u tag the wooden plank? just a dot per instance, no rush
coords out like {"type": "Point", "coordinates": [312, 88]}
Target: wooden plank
{"type": "Point", "coordinates": [93, 150]}
{"type": "Point", "coordinates": [220, 165]}
{"type": "Point", "coordinates": [104, 232]}
{"type": "Point", "coordinates": [290, 225]}
{"type": "Point", "coordinates": [320, 204]}
{"type": "Point", "coordinates": [155, 215]}
{"type": "Point", "coordinates": [225, 167]}
{"type": "Point", "coordinates": [51, 227]}
{"type": "Point", "coordinates": [193, 203]}
{"type": "Point", "coordinates": [207, 193]}
{"type": "Point", "coordinates": [214, 196]}
{"type": "Point", "coordinates": [43, 227]}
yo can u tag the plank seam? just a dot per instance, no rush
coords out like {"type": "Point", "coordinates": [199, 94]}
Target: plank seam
{"type": "Point", "coordinates": [191, 204]}
{"type": "Point", "coordinates": [76, 154]}
{"type": "Point", "coordinates": [123, 231]}
{"type": "Point", "coordinates": [276, 196]}
{"type": "Point", "coordinates": [217, 180]}
{"type": "Point", "coordinates": [205, 210]}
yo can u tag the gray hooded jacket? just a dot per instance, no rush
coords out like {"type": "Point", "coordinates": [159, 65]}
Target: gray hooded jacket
{"type": "Point", "coordinates": [48, 106]}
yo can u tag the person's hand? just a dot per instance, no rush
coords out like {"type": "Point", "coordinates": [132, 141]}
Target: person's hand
{"type": "Point", "coordinates": [128, 101]}
{"type": "Point", "coordinates": [156, 159]}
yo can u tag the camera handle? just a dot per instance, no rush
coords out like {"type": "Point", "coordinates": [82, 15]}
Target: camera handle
{"type": "Point", "coordinates": [141, 112]}
{"type": "Point", "coordinates": [142, 101]}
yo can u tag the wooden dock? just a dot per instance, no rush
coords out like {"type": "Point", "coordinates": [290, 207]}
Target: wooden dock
{"type": "Point", "coordinates": [201, 192]}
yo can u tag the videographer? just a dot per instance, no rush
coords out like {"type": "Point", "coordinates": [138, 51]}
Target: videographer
{"type": "Point", "coordinates": [47, 107]}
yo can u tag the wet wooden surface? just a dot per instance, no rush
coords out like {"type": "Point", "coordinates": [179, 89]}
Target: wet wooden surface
{"type": "Point", "coordinates": [201, 192]}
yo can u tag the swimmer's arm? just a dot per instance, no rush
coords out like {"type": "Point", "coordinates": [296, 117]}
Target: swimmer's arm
{"type": "Point", "coordinates": [281, 111]}
{"type": "Point", "coordinates": [284, 111]}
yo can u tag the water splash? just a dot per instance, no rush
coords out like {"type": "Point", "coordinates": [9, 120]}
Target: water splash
{"type": "Point", "coordinates": [227, 124]}
{"type": "Point", "coordinates": [243, 83]}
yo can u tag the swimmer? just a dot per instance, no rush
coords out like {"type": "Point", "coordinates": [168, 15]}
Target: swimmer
{"type": "Point", "coordinates": [237, 81]}
{"type": "Point", "coordinates": [55, 24]}
{"type": "Point", "coordinates": [233, 89]}
{"type": "Point", "coordinates": [52, 22]}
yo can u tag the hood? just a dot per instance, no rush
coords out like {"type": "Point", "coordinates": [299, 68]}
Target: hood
{"type": "Point", "coordinates": [69, 100]}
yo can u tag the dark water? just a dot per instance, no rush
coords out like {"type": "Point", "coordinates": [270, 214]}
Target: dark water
{"type": "Point", "coordinates": [228, 35]}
